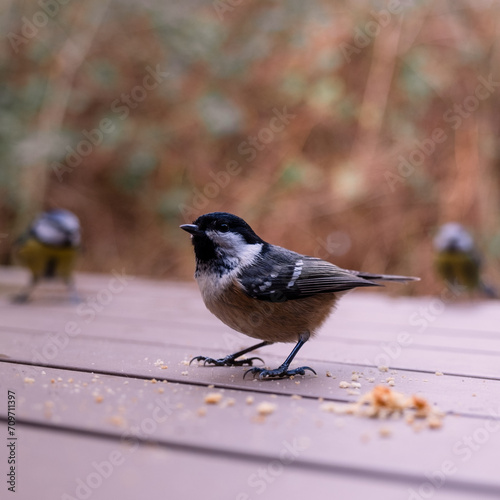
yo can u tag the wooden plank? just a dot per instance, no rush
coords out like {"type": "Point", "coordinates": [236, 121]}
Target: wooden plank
{"type": "Point", "coordinates": [157, 472]}
{"type": "Point", "coordinates": [127, 409]}
{"type": "Point", "coordinates": [451, 393]}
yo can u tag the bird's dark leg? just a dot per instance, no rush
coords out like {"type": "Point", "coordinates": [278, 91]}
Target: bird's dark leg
{"type": "Point", "coordinates": [283, 371]}
{"type": "Point", "coordinates": [231, 359]}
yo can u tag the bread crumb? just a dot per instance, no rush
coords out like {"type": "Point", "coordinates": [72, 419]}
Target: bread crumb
{"type": "Point", "coordinates": [163, 367]}
{"type": "Point", "coordinates": [98, 398]}
{"type": "Point", "coordinates": [153, 381]}
{"type": "Point", "coordinates": [29, 380]}
{"type": "Point", "coordinates": [265, 408]}
{"type": "Point", "coordinates": [117, 421]}
{"type": "Point", "coordinates": [355, 385]}
{"type": "Point", "coordinates": [383, 368]}
{"type": "Point", "coordinates": [434, 422]}
{"type": "Point", "coordinates": [355, 376]}
{"type": "Point", "coordinates": [249, 400]}
{"type": "Point", "coordinates": [370, 379]}
{"type": "Point", "coordinates": [201, 412]}
{"type": "Point", "coordinates": [59, 379]}
{"type": "Point", "coordinates": [384, 432]}
{"type": "Point", "coordinates": [344, 385]}
{"type": "Point", "coordinates": [329, 373]}
{"type": "Point", "coordinates": [161, 390]}
{"type": "Point", "coordinates": [52, 380]}
{"type": "Point", "coordinates": [296, 396]}
{"type": "Point", "coordinates": [211, 386]}
{"type": "Point", "coordinates": [70, 380]}
{"type": "Point", "coordinates": [185, 373]}
{"type": "Point", "coordinates": [159, 362]}
{"type": "Point", "coordinates": [185, 362]}
{"type": "Point", "coordinates": [439, 374]}
{"type": "Point", "coordinates": [213, 398]}
{"type": "Point", "coordinates": [229, 402]}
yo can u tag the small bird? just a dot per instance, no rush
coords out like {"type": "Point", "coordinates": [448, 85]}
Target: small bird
{"type": "Point", "coordinates": [458, 262]}
{"type": "Point", "coordinates": [265, 291]}
{"type": "Point", "coordinates": [49, 250]}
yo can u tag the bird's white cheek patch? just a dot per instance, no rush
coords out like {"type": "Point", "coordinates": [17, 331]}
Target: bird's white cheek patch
{"type": "Point", "coordinates": [296, 273]}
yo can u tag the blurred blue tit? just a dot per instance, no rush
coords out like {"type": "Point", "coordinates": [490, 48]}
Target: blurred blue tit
{"type": "Point", "coordinates": [457, 261]}
{"type": "Point", "coordinates": [49, 250]}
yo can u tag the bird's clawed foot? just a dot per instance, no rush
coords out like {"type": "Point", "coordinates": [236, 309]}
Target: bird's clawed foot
{"type": "Point", "coordinates": [227, 361]}
{"type": "Point", "coordinates": [281, 372]}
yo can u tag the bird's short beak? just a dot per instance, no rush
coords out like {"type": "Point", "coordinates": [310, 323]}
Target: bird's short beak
{"type": "Point", "coordinates": [191, 228]}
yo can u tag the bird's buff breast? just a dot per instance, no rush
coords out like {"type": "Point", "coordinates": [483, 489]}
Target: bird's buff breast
{"type": "Point", "coordinates": [270, 321]}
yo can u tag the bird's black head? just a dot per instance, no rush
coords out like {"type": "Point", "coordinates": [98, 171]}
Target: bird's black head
{"type": "Point", "coordinates": [220, 235]}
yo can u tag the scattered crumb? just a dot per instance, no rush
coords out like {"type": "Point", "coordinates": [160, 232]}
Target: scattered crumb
{"type": "Point", "coordinates": [370, 379]}
{"type": "Point", "coordinates": [344, 385]}
{"type": "Point", "coordinates": [161, 390]}
{"type": "Point", "coordinates": [185, 362]}
{"type": "Point", "coordinates": [320, 399]}
{"type": "Point", "coordinates": [125, 382]}
{"type": "Point", "coordinates": [98, 398]}
{"type": "Point", "coordinates": [329, 374]}
{"type": "Point", "coordinates": [213, 398]}
{"type": "Point", "coordinates": [211, 386]}
{"type": "Point", "coordinates": [355, 376]}
{"type": "Point", "coordinates": [355, 385]}
{"type": "Point", "coordinates": [296, 396]}
{"type": "Point", "coordinates": [59, 379]}
{"type": "Point", "coordinates": [384, 432]}
{"type": "Point", "coordinates": [117, 421]}
{"type": "Point", "coordinates": [52, 380]}
{"type": "Point", "coordinates": [29, 380]}
{"type": "Point", "coordinates": [439, 374]}
{"type": "Point", "coordinates": [249, 400]}
{"type": "Point", "coordinates": [159, 362]}
{"type": "Point", "coordinates": [265, 408]}
{"type": "Point", "coordinates": [229, 402]}
{"type": "Point", "coordinates": [201, 412]}
{"type": "Point", "coordinates": [185, 373]}
{"type": "Point", "coordinates": [153, 381]}
{"type": "Point", "coordinates": [383, 368]}
{"type": "Point", "coordinates": [48, 406]}
{"type": "Point", "coordinates": [70, 380]}
{"type": "Point", "coordinates": [434, 422]}
{"type": "Point", "coordinates": [163, 367]}
{"type": "Point", "coordinates": [425, 380]}
{"type": "Point", "coordinates": [297, 382]}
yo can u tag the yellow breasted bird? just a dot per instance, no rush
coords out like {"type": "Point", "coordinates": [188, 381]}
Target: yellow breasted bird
{"type": "Point", "coordinates": [49, 249]}
{"type": "Point", "coordinates": [458, 262]}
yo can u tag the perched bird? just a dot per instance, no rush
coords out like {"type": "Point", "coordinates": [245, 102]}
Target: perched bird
{"type": "Point", "coordinates": [49, 250]}
{"type": "Point", "coordinates": [457, 260]}
{"type": "Point", "coordinates": [265, 291]}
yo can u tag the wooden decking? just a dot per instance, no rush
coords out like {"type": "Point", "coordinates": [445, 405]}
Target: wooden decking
{"type": "Point", "coordinates": [107, 407]}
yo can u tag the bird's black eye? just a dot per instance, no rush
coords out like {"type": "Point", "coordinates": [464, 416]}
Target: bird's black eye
{"type": "Point", "coordinates": [223, 228]}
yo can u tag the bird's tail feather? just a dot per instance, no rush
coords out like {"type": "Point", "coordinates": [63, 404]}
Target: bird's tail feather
{"type": "Point", "coordinates": [385, 277]}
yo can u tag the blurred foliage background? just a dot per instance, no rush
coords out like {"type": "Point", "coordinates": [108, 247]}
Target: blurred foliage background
{"type": "Point", "coordinates": [345, 130]}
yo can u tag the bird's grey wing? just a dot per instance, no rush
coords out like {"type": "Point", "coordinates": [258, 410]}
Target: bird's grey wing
{"type": "Point", "coordinates": [280, 275]}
